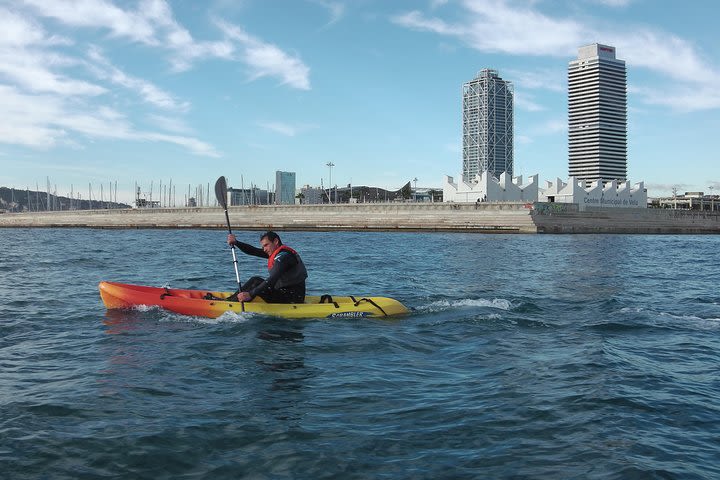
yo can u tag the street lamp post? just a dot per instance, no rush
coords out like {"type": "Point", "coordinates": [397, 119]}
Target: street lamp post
{"type": "Point", "coordinates": [330, 165]}
{"type": "Point", "coordinates": [712, 199]}
{"type": "Point", "coordinates": [415, 189]}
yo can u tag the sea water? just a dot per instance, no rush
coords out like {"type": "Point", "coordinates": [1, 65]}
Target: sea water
{"type": "Point", "coordinates": [524, 356]}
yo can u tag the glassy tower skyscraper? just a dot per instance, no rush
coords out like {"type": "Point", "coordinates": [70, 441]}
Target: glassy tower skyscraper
{"type": "Point", "coordinates": [284, 188]}
{"type": "Point", "coordinates": [487, 109]}
{"type": "Point", "coordinates": [597, 115]}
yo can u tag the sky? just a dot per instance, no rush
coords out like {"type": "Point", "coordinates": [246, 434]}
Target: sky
{"type": "Point", "coordinates": [104, 92]}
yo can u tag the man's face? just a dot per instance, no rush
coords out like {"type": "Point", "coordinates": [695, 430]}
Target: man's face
{"type": "Point", "coordinates": [268, 246]}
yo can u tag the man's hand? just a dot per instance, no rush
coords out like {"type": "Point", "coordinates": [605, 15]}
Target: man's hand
{"type": "Point", "coordinates": [244, 297]}
{"type": "Point", "coordinates": [231, 240]}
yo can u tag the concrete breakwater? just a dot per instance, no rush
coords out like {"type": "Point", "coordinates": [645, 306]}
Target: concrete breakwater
{"type": "Point", "coordinates": [482, 217]}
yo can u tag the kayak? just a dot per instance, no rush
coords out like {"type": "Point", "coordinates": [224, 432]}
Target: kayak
{"type": "Point", "coordinates": [204, 303]}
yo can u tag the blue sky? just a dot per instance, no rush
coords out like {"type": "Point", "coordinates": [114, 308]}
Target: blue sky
{"type": "Point", "coordinates": [101, 91]}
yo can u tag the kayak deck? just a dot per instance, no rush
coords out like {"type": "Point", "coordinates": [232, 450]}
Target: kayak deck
{"type": "Point", "coordinates": [211, 304]}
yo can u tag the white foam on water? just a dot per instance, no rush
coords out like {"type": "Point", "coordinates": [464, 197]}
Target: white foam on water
{"type": "Point", "coordinates": [675, 318]}
{"type": "Point", "coordinates": [632, 309]}
{"type": "Point", "coordinates": [442, 305]}
{"type": "Point", "coordinates": [233, 317]}
{"type": "Point", "coordinates": [226, 317]}
{"type": "Point", "coordinates": [145, 308]}
{"type": "Point", "coordinates": [168, 316]}
{"type": "Point", "coordinates": [680, 317]}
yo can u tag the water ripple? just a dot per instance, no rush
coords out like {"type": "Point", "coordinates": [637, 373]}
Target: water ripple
{"type": "Point", "coordinates": [592, 359]}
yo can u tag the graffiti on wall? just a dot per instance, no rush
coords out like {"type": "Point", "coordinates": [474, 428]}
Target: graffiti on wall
{"type": "Point", "coordinates": [550, 208]}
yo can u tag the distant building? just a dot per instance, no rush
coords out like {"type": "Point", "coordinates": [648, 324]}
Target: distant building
{"type": "Point", "coordinates": [598, 194]}
{"type": "Point", "coordinates": [487, 126]}
{"type": "Point", "coordinates": [249, 196]}
{"type": "Point", "coordinates": [487, 188]}
{"type": "Point", "coordinates": [689, 201]}
{"type": "Point", "coordinates": [284, 188]}
{"type": "Point", "coordinates": [597, 115]}
{"type": "Point", "coordinates": [312, 195]}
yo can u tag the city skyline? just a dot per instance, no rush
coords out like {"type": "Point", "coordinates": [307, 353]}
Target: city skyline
{"type": "Point", "coordinates": [101, 91]}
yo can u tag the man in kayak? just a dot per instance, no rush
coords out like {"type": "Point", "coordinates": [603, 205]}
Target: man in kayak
{"type": "Point", "coordinates": [286, 280]}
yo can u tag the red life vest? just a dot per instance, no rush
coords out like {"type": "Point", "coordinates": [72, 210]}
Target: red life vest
{"type": "Point", "coordinates": [281, 248]}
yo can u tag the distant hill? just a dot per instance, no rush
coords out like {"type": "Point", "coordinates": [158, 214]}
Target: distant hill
{"type": "Point", "coordinates": [16, 200]}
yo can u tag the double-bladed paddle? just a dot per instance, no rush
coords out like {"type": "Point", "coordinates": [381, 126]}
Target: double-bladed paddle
{"type": "Point", "coordinates": [221, 194]}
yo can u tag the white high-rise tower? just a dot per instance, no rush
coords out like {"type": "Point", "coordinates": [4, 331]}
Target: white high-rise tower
{"type": "Point", "coordinates": [487, 126]}
{"type": "Point", "coordinates": [597, 115]}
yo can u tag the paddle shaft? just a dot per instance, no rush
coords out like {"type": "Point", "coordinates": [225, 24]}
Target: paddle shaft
{"type": "Point", "coordinates": [232, 249]}
{"type": "Point", "coordinates": [221, 195]}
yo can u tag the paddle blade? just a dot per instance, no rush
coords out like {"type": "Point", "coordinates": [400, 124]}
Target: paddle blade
{"type": "Point", "coordinates": [221, 192]}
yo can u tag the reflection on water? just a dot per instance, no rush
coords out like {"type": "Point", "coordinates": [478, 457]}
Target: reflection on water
{"type": "Point", "coordinates": [118, 322]}
{"type": "Point", "coordinates": [277, 335]}
{"type": "Point", "coordinates": [286, 366]}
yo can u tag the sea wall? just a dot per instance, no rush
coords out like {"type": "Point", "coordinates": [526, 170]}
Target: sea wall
{"type": "Point", "coordinates": [468, 217]}
{"type": "Point", "coordinates": [566, 218]}
{"type": "Point", "coordinates": [505, 218]}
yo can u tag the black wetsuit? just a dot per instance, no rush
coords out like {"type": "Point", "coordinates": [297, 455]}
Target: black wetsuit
{"type": "Point", "coordinates": [286, 280]}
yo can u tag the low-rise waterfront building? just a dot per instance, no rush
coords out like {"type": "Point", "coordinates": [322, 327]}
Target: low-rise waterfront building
{"type": "Point", "coordinates": [689, 201]}
{"type": "Point", "coordinates": [487, 188]}
{"type": "Point", "coordinates": [598, 194]}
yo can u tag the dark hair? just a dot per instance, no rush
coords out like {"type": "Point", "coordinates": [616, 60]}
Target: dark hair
{"type": "Point", "coordinates": [272, 236]}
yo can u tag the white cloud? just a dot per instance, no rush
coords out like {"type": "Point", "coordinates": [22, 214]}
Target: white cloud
{"type": "Point", "coordinates": [45, 103]}
{"type": "Point", "coordinates": [148, 91]}
{"type": "Point", "coordinates": [193, 144]}
{"type": "Point", "coordinates": [543, 79]}
{"type": "Point", "coordinates": [285, 129]}
{"type": "Point", "coordinates": [29, 69]}
{"type": "Point", "coordinates": [186, 49]}
{"type": "Point", "coordinates": [265, 59]}
{"type": "Point", "coordinates": [686, 98]}
{"type": "Point", "coordinates": [19, 31]}
{"type": "Point", "coordinates": [45, 121]}
{"type": "Point", "coordinates": [416, 21]}
{"type": "Point", "coordinates": [493, 26]}
{"type": "Point", "coordinates": [100, 14]}
{"type": "Point", "coordinates": [525, 101]}
{"type": "Point", "coordinates": [497, 26]}
{"type": "Point", "coordinates": [25, 61]}
{"type": "Point", "coordinates": [281, 128]}
{"type": "Point", "coordinates": [336, 9]}
{"type": "Point", "coordinates": [151, 24]}
{"type": "Point", "coordinates": [170, 124]}
{"type": "Point", "coordinates": [667, 54]}
{"type": "Point", "coordinates": [613, 3]}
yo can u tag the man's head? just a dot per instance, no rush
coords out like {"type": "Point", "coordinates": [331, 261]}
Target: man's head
{"type": "Point", "coordinates": [270, 241]}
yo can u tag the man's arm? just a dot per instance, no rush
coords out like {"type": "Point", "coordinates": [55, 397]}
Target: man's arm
{"type": "Point", "coordinates": [250, 250]}
{"type": "Point", "coordinates": [246, 248]}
